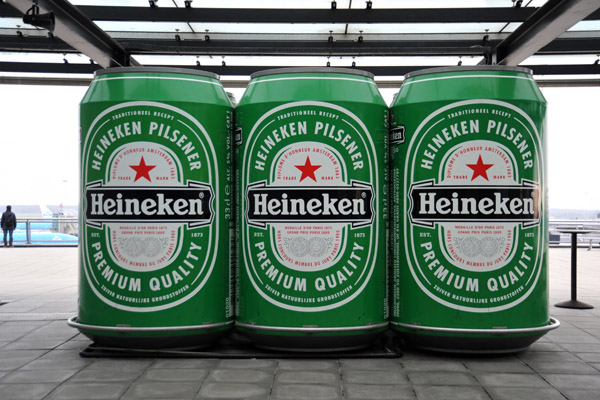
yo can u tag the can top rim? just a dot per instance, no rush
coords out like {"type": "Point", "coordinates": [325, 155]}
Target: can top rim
{"type": "Point", "coordinates": [163, 70]}
{"type": "Point", "coordinates": [309, 70]}
{"type": "Point", "coordinates": [441, 70]}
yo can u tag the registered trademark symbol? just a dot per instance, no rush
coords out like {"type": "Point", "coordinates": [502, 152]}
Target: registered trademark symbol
{"type": "Point", "coordinates": [363, 195]}
{"type": "Point", "coordinates": [201, 195]}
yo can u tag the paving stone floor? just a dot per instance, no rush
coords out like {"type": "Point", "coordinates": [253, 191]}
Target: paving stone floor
{"type": "Point", "coordinates": [39, 353]}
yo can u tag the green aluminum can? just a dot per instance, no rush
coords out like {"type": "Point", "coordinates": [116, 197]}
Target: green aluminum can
{"type": "Point", "coordinates": [156, 216]}
{"type": "Point", "coordinates": [311, 172]}
{"type": "Point", "coordinates": [469, 220]}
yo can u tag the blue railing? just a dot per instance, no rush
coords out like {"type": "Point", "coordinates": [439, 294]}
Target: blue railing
{"type": "Point", "coordinates": [47, 231]}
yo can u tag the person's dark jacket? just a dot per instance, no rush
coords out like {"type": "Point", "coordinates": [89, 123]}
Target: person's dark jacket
{"type": "Point", "coordinates": [7, 222]}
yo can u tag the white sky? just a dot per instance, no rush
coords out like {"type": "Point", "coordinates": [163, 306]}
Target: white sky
{"type": "Point", "coordinates": [39, 145]}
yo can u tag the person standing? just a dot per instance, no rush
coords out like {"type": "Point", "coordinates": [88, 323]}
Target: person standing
{"type": "Point", "coordinates": [8, 223]}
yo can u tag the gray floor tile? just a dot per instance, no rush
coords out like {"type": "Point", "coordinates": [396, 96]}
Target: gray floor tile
{"type": "Point", "coordinates": [121, 364]}
{"type": "Point", "coordinates": [433, 365]}
{"type": "Point", "coordinates": [247, 364]}
{"type": "Point", "coordinates": [378, 392]}
{"type": "Point", "coordinates": [162, 390]}
{"type": "Point", "coordinates": [573, 336]}
{"type": "Point", "coordinates": [370, 364]}
{"type": "Point", "coordinates": [215, 390]}
{"type": "Point", "coordinates": [573, 381]}
{"type": "Point", "coordinates": [11, 337]}
{"type": "Point", "coordinates": [185, 363]}
{"type": "Point", "coordinates": [43, 376]}
{"type": "Point", "coordinates": [309, 365]}
{"type": "Point", "coordinates": [90, 391]}
{"type": "Point", "coordinates": [442, 378]}
{"type": "Point", "coordinates": [548, 356]}
{"type": "Point", "coordinates": [580, 394]}
{"type": "Point", "coordinates": [451, 393]}
{"type": "Point", "coordinates": [175, 375]}
{"type": "Point", "coordinates": [546, 346]}
{"type": "Point", "coordinates": [303, 392]}
{"type": "Point", "coordinates": [34, 344]}
{"type": "Point", "coordinates": [582, 347]}
{"type": "Point", "coordinates": [13, 359]}
{"type": "Point", "coordinates": [316, 377]}
{"type": "Point", "coordinates": [508, 393]}
{"type": "Point", "coordinates": [375, 377]}
{"type": "Point", "coordinates": [564, 368]}
{"type": "Point", "coordinates": [25, 391]}
{"type": "Point", "coordinates": [106, 375]}
{"type": "Point", "coordinates": [14, 327]}
{"type": "Point", "coordinates": [490, 379]}
{"type": "Point", "coordinates": [41, 364]}
{"type": "Point", "coordinates": [78, 345]}
{"type": "Point", "coordinates": [240, 376]}
{"type": "Point", "coordinates": [511, 364]}
{"type": "Point", "coordinates": [588, 357]}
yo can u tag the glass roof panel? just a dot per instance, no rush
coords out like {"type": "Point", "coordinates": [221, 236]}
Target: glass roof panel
{"type": "Point", "coordinates": [429, 28]}
{"type": "Point", "coordinates": [14, 22]}
{"type": "Point", "coordinates": [290, 61]}
{"type": "Point", "coordinates": [421, 28]}
{"type": "Point", "coordinates": [511, 27]}
{"type": "Point", "coordinates": [267, 28]}
{"type": "Point", "coordinates": [568, 59]}
{"type": "Point", "coordinates": [585, 26]}
{"type": "Point", "coordinates": [144, 26]}
{"type": "Point", "coordinates": [115, 3]}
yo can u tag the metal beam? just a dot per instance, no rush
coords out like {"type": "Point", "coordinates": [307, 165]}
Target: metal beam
{"type": "Point", "coordinates": [34, 44]}
{"type": "Point", "coordinates": [307, 48]}
{"type": "Point", "coordinates": [425, 47]}
{"type": "Point", "coordinates": [239, 15]}
{"type": "Point", "coordinates": [242, 84]}
{"type": "Point", "coordinates": [311, 16]}
{"type": "Point", "coordinates": [61, 68]}
{"type": "Point", "coordinates": [575, 69]}
{"type": "Point", "coordinates": [551, 20]}
{"type": "Point", "coordinates": [76, 29]}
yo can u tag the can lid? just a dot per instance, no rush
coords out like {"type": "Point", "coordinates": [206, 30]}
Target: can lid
{"type": "Point", "coordinates": [312, 70]}
{"type": "Point", "coordinates": [441, 70]}
{"type": "Point", "coordinates": [154, 70]}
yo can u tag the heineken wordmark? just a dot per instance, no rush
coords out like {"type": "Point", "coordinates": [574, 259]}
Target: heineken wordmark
{"type": "Point", "coordinates": [155, 207]}
{"type": "Point", "coordinates": [311, 203]}
{"type": "Point", "coordinates": [469, 216]}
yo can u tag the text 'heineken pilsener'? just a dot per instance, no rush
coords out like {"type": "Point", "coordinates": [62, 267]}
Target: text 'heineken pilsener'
{"type": "Point", "coordinates": [312, 209]}
{"type": "Point", "coordinates": [469, 220]}
{"type": "Point", "coordinates": [156, 209]}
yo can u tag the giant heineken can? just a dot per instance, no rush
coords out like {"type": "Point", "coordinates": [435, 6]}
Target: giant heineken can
{"type": "Point", "coordinates": [468, 194]}
{"type": "Point", "coordinates": [311, 148]}
{"type": "Point", "coordinates": [156, 209]}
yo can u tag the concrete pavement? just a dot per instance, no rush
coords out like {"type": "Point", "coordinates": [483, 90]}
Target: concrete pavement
{"type": "Point", "coordinates": [39, 353]}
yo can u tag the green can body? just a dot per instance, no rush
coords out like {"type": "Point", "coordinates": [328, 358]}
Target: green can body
{"type": "Point", "coordinates": [311, 147]}
{"type": "Point", "coordinates": [156, 211]}
{"type": "Point", "coordinates": [469, 220]}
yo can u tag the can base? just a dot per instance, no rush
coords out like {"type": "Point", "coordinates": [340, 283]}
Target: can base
{"type": "Point", "coordinates": [472, 341]}
{"type": "Point", "coordinates": [311, 339]}
{"type": "Point", "coordinates": [172, 338]}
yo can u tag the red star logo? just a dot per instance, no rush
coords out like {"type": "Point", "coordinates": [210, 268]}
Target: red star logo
{"type": "Point", "coordinates": [480, 169]}
{"type": "Point", "coordinates": [308, 170]}
{"type": "Point", "coordinates": [142, 170]}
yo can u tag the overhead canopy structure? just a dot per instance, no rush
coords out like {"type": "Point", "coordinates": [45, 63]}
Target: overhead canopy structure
{"type": "Point", "coordinates": [388, 38]}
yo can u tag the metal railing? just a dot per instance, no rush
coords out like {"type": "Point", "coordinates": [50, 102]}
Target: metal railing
{"type": "Point", "coordinates": [47, 231]}
{"type": "Point", "coordinates": [589, 239]}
